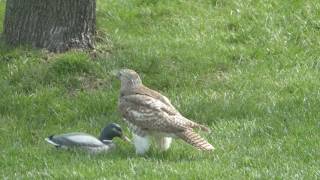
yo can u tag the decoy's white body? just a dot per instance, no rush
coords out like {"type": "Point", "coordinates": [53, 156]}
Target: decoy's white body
{"type": "Point", "coordinates": [88, 142]}
{"type": "Point", "coordinates": [80, 140]}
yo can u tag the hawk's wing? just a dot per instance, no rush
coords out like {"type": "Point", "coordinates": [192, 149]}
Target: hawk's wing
{"type": "Point", "coordinates": [170, 109]}
{"type": "Point", "coordinates": [151, 114]}
{"type": "Point", "coordinates": [143, 90]}
{"type": "Point", "coordinates": [152, 93]}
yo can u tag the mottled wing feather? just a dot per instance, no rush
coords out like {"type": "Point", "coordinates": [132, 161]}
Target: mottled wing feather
{"type": "Point", "coordinates": [150, 114]}
{"type": "Point", "coordinates": [169, 108]}
{"type": "Point", "coordinates": [149, 92]}
{"type": "Point", "coordinates": [143, 90]}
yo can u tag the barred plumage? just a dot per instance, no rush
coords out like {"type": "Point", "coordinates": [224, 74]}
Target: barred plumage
{"type": "Point", "coordinates": [149, 113]}
{"type": "Point", "coordinates": [195, 140]}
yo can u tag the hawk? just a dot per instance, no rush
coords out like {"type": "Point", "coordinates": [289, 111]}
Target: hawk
{"type": "Point", "coordinates": [148, 113]}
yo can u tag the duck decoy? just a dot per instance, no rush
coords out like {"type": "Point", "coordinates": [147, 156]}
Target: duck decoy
{"type": "Point", "coordinates": [88, 142]}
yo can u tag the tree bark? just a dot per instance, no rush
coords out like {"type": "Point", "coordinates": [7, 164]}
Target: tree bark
{"type": "Point", "coordinates": [57, 25]}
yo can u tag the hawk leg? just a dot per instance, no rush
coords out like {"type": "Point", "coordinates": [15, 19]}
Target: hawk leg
{"type": "Point", "coordinates": [163, 142]}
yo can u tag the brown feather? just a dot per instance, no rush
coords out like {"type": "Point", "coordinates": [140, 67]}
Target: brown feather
{"type": "Point", "coordinates": [147, 111]}
{"type": "Point", "coordinates": [143, 90]}
{"type": "Point", "coordinates": [151, 117]}
{"type": "Point", "coordinates": [170, 109]}
{"type": "Point", "coordinates": [195, 140]}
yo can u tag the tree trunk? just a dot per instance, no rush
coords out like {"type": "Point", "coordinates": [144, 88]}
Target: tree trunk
{"type": "Point", "coordinates": [57, 25]}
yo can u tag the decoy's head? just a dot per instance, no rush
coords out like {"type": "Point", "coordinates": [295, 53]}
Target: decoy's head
{"type": "Point", "coordinates": [111, 131]}
{"type": "Point", "coordinates": [129, 78]}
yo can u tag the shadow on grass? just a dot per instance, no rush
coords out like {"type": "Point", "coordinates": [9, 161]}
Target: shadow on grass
{"type": "Point", "coordinates": [172, 155]}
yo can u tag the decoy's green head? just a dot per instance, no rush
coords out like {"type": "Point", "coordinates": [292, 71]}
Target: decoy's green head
{"type": "Point", "coordinates": [111, 131]}
{"type": "Point", "coordinates": [129, 78]}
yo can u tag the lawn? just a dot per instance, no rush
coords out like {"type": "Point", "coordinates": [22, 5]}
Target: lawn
{"type": "Point", "coordinates": [248, 69]}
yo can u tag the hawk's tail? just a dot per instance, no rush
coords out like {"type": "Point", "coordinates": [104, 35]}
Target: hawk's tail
{"type": "Point", "coordinates": [196, 125]}
{"type": "Point", "coordinates": [195, 140]}
{"type": "Point", "coordinates": [202, 127]}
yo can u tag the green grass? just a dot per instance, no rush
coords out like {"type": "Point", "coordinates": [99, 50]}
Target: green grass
{"type": "Point", "coordinates": [248, 69]}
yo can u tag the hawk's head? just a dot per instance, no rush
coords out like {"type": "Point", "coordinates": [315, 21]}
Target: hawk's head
{"type": "Point", "coordinates": [129, 78]}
